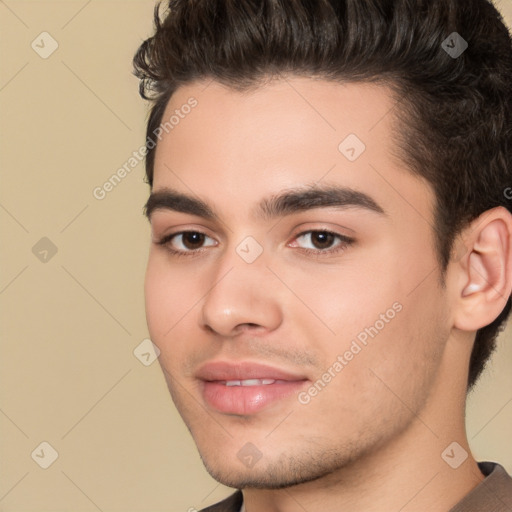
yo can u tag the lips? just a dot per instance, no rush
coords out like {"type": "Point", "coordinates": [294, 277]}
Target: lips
{"type": "Point", "coordinates": [244, 370]}
{"type": "Point", "coordinates": [246, 388]}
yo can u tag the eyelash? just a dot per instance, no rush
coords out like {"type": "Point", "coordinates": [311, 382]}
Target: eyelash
{"type": "Point", "coordinates": [345, 242]}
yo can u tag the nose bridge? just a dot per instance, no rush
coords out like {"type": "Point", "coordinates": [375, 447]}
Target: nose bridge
{"type": "Point", "coordinates": [239, 293]}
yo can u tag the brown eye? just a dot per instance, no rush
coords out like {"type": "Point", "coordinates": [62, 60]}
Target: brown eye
{"type": "Point", "coordinates": [320, 242]}
{"type": "Point", "coordinates": [186, 242]}
{"type": "Point", "coordinates": [322, 239]}
{"type": "Point", "coordinates": [192, 239]}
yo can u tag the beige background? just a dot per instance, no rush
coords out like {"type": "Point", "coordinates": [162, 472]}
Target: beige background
{"type": "Point", "coordinates": [70, 324]}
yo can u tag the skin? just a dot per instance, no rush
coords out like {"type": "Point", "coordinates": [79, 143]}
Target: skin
{"type": "Point", "coordinates": [372, 438]}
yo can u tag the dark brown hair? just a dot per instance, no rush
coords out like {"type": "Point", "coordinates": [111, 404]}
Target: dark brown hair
{"type": "Point", "coordinates": [454, 110]}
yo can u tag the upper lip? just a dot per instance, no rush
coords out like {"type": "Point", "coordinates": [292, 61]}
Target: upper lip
{"type": "Point", "coordinates": [226, 371]}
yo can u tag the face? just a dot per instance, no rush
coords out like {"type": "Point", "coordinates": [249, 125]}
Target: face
{"type": "Point", "coordinates": [294, 295]}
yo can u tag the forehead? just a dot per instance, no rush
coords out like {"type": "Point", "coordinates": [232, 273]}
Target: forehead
{"type": "Point", "coordinates": [284, 110]}
{"type": "Point", "coordinates": [292, 131]}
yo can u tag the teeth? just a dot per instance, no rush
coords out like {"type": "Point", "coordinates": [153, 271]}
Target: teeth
{"type": "Point", "coordinates": [250, 382]}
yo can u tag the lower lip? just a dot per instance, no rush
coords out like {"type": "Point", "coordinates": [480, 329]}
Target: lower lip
{"type": "Point", "coordinates": [247, 399]}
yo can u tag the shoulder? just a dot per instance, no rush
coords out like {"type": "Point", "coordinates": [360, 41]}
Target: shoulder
{"type": "Point", "coordinates": [493, 494]}
{"type": "Point", "coordinates": [230, 504]}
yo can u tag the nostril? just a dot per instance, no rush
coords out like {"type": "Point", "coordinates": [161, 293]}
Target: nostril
{"type": "Point", "coordinates": [248, 326]}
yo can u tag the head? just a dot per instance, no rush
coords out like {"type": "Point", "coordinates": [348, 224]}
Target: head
{"type": "Point", "coordinates": [276, 94]}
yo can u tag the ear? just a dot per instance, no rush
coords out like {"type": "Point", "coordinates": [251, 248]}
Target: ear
{"type": "Point", "coordinates": [483, 275]}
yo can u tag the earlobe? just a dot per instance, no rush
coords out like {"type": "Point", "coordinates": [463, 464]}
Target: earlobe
{"type": "Point", "coordinates": [485, 270]}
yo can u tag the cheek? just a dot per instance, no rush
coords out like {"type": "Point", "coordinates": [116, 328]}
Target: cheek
{"type": "Point", "coordinates": [172, 306]}
{"type": "Point", "coordinates": [385, 328]}
{"type": "Point", "coordinates": [338, 301]}
{"type": "Point", "coordinates": [402, 360]}
{"type": "Point", "coordinates": [164, 297]}
{"type": "Point", "coordinates": [388, 375]}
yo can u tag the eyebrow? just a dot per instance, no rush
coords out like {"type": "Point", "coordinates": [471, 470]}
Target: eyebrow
{"type": "Point", "coordinates": [285, 203]}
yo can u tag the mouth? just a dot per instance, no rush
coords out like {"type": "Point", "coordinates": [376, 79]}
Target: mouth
{"type": "Point", "coordinates": [250, 382]}
{"type": "Point", "coordinates": [246, 388]}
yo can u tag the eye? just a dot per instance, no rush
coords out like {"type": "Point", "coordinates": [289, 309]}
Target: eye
{"type": "Point", "coordinates": [185, 242]}
{"type": "Point", "coordinates": [321, 241]}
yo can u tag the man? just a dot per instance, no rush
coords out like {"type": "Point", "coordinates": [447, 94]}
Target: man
{"type": "Point", "coordinates": [332, 244]}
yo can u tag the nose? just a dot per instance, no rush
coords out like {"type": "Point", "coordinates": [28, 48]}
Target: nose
{"type": "Point", "coordinates": [241, 296]}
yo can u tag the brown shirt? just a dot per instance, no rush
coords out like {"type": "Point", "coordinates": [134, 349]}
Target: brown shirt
{"type": "Point", "coordinates": [493, 494]}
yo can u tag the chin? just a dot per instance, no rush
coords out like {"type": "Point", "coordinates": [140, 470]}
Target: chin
{"type": "Point", "coordinates": [286, 472]}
